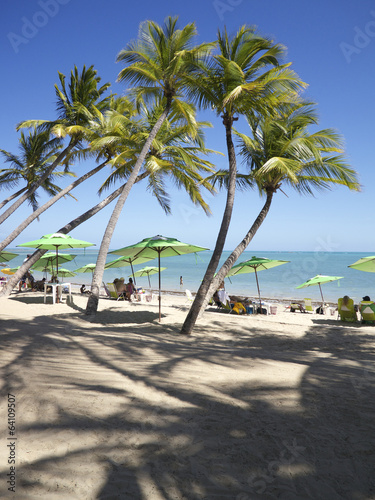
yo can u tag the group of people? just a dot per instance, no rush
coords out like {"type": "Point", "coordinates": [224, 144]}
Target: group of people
{"type": "Point", "coordinates": [348, 310]}
{"type": "Point", "coordinates": [36, 286]}
{"type": "Point", "coordinates": [127, 289]}
{"type": "Point", "coordinates": [237, 304]}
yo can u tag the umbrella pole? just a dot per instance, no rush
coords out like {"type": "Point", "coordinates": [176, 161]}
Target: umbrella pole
{"type": "Point", "coordinates": [159, 288]}
{"type": "Point", "coordinates": [321, 293]}
{"type": "Point", "coordinates": [57, 274]}
{"type": "Point", "coordinates": [149, 282]}
{"type": "Point", "coordinates": [260, 300]}
{"type": "Point", "coordinates": [131, 265]}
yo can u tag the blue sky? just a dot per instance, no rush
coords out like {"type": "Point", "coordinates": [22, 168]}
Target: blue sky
{"type": "Point", "coordinates": [331, 46]}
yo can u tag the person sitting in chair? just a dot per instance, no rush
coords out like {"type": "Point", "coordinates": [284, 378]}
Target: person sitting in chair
{"type": "Point", "coordinates": [367, 310]}
{"type": "Point", "coordinates": [130, 289]}
{"type": "Point", "coordinates": [120, 286]}
{"type": "Point", "coordinates": [216, 299]}
{"type": "Point", "coordinates": [39, 285]}
{"type": "Point", "coordinates": [347, 309]}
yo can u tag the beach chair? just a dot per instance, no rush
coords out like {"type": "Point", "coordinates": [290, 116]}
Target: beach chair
{"type": "Point", "coordinates": [226, 306]}
{"type": "Point", "coordinates": [367, 310]}
{"type": "Point", "coordinates": [308, 305]}
{"type": "Point", "coordinates": [113, 292]}
{"type": "Point", "coordinates": [346, 311]}
{"type": "Point", "coordinates": [296, 306]}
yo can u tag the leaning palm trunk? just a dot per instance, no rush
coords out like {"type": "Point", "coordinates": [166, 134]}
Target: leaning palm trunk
{"type": "Point", "coordinates": [93, 300]}
{"type": "Point", "coordinates": [35, 186]}
{"type": "Point", "coordinates": [65, 230]}
{"type": "Point", "coordinates": [47, 205]}
{"type": "Point", "coordinates": [11, 197]}
{"type": "Point", "coordinates": [233, 257]}
{"type": "Point", "coordinates": [202, 292]}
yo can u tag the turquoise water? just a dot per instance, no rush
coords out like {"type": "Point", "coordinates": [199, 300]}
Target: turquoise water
{"type": "Point", "coordinates": [279, 282]}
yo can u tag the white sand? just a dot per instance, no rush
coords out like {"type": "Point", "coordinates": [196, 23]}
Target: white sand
{"type": "Point", "coordinates": [122, 407]}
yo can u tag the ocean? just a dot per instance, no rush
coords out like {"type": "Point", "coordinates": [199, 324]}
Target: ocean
{"type": "Point", "coordinates": [278, 282]}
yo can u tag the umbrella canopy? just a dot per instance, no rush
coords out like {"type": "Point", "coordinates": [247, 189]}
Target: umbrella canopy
{"type": "Point", "coordinates": [254, 265]}
{"type": "Point", "coordinates": [366, 264]}
{"type": "Point", "coordinates": [49, 260]}
{"type": "Point", "coordinates": [64, 273]}
{"type": "Point", "coordinates": [319, 279]}
{"type": "Point", "coordinates": [56, 241]}
{"type": "Point", "coordinates": [127, 261]}
{"type": "Point", "coordinates": [12, 270]}
{"type": "Point", "coordinates": [50, 269]}
{"type": "Point", "coordinates": [148, 271]}
{"type": "Point", "coordinates": [7, 256]}
{"type": "Point", "coordinates": [7, 271]}
{"type": "Point", "coordinates": [87, 268]}
{"type": "Point", "coordinates": [155, 247]}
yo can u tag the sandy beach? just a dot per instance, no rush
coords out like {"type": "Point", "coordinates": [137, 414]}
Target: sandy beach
{"type": "Point", "coordinates": [124, 407]}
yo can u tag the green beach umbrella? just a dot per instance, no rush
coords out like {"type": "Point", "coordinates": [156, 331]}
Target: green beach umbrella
{"type": "Point", "coordinates": [63, 273]}
{"type": "Point", "coordinates": [87, 268]}
{"type": "Point", "coordinates": [49, 259]}
{"type": "Point", "coordinates": [148, 271]}
{"type": "Point", "coordinates": [158, 246]}
{"type": "Point", "coordinates": [127, 261]}
{"type": "Point", "coordinates": [254, 265]}
{"type": "Point", "coordinates": [7, 256]}
{"type": "Point", "coordinates": [319, 280]}
{"type": "Point", "coordinates": [366, 264]}
{"type": "Point", "coordinates": [56, 241]}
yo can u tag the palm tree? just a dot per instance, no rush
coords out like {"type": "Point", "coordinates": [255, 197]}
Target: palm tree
{"type": "Point", "coordinates": [173, 155]}
{"type": "Point", "coordinates": [37, 152]}
{"type": "Point", "coordinates": [96, 126]}
{"type": "Point", "coordinates": [282, 152]}
{"type": "Point", "coordinates": [76, 106]}
{"type": "Point", "coordinates": [159, 64]}
{"type": "Point", "coordinates": [245, 77]}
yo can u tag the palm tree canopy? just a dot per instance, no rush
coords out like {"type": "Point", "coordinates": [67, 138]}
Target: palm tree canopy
{"type": "Point", "coordinates": [245, 74]}
{"type": "Point", "coordinates": [76, 103]}
{"type": "Point", "coordinates": [37, 153]}
{"type": "Point", "coordinates": [161, 61]}
{"type": "Point", "coordinates": [175, 154]}
{"type": "Point", "coordinates": [282, 150]}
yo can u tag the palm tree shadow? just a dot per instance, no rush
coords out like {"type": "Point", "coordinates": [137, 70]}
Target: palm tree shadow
{"type": "Point", "coordinates": [198, 417]}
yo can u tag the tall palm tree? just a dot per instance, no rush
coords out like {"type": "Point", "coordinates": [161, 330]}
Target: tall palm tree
{"type": "Point", "coordinates": [159, 64]}
{"type": "Point", "coordinates": [37, 152]}
{"type": "Point", "coordinates": [245, 77]}
{"type": "Point", "coordinates": [282, 152]}
{"type": "Point", "coordinates": [75, 105]}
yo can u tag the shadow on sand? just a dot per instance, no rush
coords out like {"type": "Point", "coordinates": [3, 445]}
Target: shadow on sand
{"type": "Point", "coordinates": [109, 412]}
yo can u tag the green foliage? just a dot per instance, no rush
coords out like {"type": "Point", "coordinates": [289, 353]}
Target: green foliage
{"type": "Point", "coordinates": [37, 153]}
{"type": "Point", "coordinates": [282, 150]}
